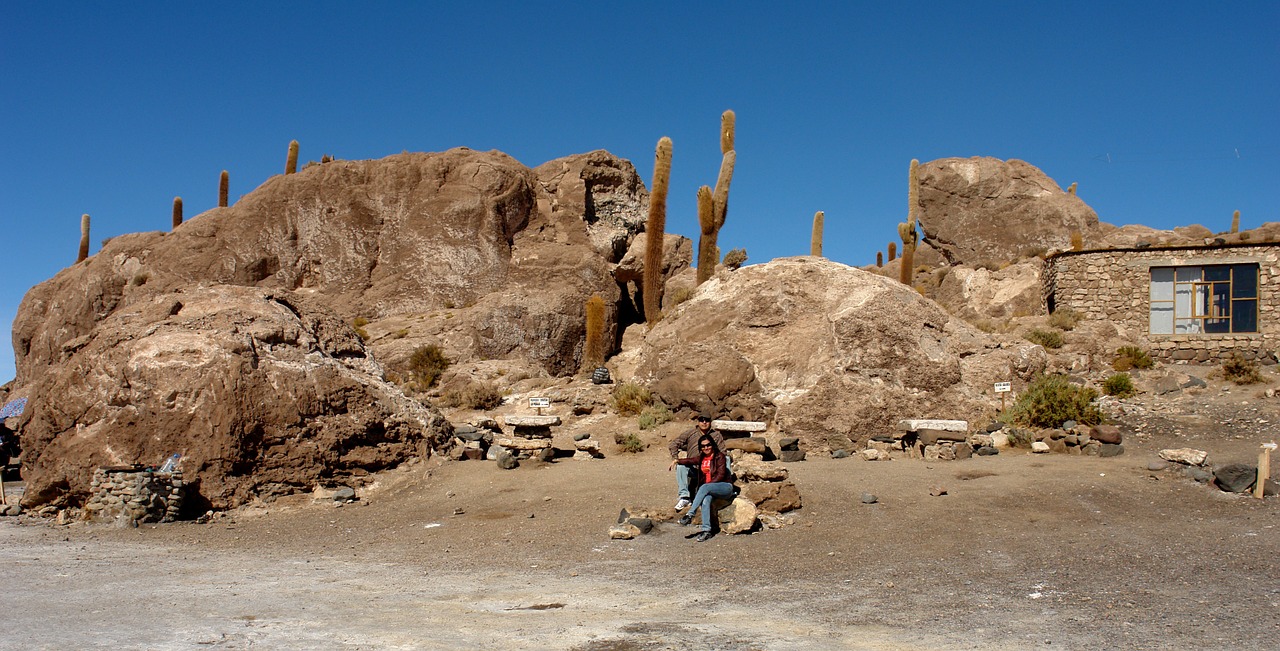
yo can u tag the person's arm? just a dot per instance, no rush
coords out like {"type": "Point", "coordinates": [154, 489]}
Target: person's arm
{"type": "Point", "coordinates": [677, 444]}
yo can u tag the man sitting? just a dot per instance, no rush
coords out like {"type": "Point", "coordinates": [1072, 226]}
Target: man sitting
{"type": "Point", "coordinates": [686, 445]}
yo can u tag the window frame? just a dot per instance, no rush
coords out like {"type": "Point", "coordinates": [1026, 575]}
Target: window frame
{"type": "Point", "coordinates": [1201, 307]}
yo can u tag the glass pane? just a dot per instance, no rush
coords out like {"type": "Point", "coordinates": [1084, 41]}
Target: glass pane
{"type": "Point", "coordinates": [1188, 274]}
{"type": "Point", "coordinates": [1244, 316]}
{"type": "Point", "coordinates": [1162, 284]}
{"type": "Point", "coordinates": [1182, 299]}
{"type": "Point", "coordinates": [1162, 318]}
{"type": "Point", "coordinates": [1217, 272]}
{"type": "Point", "coordinates": [1200, 305]}
{"type": "Point", "coordinates": [1213, 326]}
{"type": "Point", "coordinates": [1186, 326]}
{"type": "Point", "coordinates": [1244, 281]}
{"type": "Point", "coordinates": [1220, 300]}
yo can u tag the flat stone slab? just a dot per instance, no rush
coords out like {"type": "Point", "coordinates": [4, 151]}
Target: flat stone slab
{"type": "Point", "coordinates": [524, 444]}
{"type": "Point", "coordinates": [531, 421]}
{"type": "Point", "coordinates": [917, 424]}
{"type": "Point", "coordinates": [738, 425]}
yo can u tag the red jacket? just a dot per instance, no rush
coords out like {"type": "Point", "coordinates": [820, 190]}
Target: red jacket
{"type": "Point", "coordinates": [719, 467]}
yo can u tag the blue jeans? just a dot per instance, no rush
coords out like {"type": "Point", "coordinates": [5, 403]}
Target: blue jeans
{"type": "Point", "coordinates": [707, 493]}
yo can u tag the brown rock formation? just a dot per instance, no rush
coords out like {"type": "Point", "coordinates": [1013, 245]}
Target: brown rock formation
{"type": "Point", "coordinates": [987, 210]}
{"type": "Point", "coordinates": [260, 391]}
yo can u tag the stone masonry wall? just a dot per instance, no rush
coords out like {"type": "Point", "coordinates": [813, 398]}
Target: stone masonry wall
{"type": "Point", "coordinates": [128, 496]}
{"type": "Point", "coordinates": [1114, 285]}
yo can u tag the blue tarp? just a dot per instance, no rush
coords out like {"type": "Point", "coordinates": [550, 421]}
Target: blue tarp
{"type": "Point", "coordinates": [13, 408]}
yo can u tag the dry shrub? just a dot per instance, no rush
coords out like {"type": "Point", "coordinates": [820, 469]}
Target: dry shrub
{"type": "Point", "coordinates": [735, 258]}
{"type": "Point", "coordinates": [1046, 338]}
{"type": "Point", "coordinates": [1065, 319]}
{"type": "Point", "coordinates": [1240, 370]}
{"type": "Point", "coordinates": [426, 364]}
{"type": "Point", "coordinates": [1131, 357]}
{"type": "Point", "coordinates": [474, 395]}
{"type": "Point", "coordinates": [629, 399]}
{"type": "Point", "coordinates": [1119, 385]}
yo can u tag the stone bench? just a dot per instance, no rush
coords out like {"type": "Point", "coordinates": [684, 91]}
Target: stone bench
{"type": "Point", "coordinates": [738, 427]}
{"type": "Point", "coordinates": [914, 435]}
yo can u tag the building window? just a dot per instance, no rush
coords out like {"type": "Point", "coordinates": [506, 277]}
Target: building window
{"type": "Point", "coordinates": [1212, 299]}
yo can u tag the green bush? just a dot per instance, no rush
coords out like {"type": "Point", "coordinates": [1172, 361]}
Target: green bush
{"type": "Point", "coordinates": [630, 399]}
{"type": "Point", "coordinates": [1119, 385]}
{"type": "Point", "coordinates": [426, 364]}
{"type": "Point", "coordinates": [1051, 400]}
{"type": "Point", "coordinates": [654, 416]}
{"type": "Point", "coordinates": [1065, 319]}
{"type": "Point", "coordinates": [630, 442]}
{"type": "Point", "coordinates": [1046, 338]}
{"type": "Point", "coordinates": [1240, 370]}
{"type": "Point", "coordinates": [1020, 438]}
{"type": "Point", "coordinates": [1131, 357]}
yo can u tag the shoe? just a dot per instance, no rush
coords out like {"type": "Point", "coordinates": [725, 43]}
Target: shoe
{"type": "Point", "coordinates": [704, 536]}
{"type": "Point", "coordinates": [683, 504]}
{"type": "Point", "coordinates": [685, 520]}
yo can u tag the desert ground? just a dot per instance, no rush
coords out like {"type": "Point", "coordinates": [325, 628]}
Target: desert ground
{"type": "Point", "coordinates": [1044, 551]}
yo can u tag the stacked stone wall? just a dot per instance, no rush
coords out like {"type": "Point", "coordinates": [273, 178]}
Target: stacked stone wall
{"type": "Point", "coordinates": [1115, 286]}
{"type": "Point", "coordinates": [130, 496]}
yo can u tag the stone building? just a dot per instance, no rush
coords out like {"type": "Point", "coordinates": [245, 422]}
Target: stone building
{"type": "Point", "coordinates": [1187, 303]}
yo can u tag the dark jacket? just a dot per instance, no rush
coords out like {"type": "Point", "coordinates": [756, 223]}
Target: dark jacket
{"type": "Point", "coordinates": [719, 466]}
{"type": "Point", "coordinates": [689, 442]}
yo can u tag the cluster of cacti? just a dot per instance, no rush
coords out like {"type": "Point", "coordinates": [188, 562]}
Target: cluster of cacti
{"type": "Point", "coordinates": [1235, 222]}
{"type": "Point", "coordinates": [593, 349]}
{"type": "Point", "coordinates": [177, 212]}
{"type": "Point", "coordinates": [291, 163]}
{"type": "Point", "coordinates": [713, 206]}
{"type": "Point", "coordinates": [815, 240]}
{"type": "Point", "coordinates": [907, 230]}
{"type": "Point", "coordinates": [655, 231]}
{"type": "Point", "coordinates": [224, 186]}
{"type": "Point", "coordinates": [893, 251]}
{"type": "Point", "coordinates": [84, 238]}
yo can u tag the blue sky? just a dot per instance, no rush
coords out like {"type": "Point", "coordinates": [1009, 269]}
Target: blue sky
{"type": "Point", "coordinates": [113, 109]}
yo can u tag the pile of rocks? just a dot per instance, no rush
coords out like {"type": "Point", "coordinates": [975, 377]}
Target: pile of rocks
{"type": "Point", "coordinates": [129, 495]}
{"type": "Point", "coordinates": [789, 449]}
{"type": "Point", "coordinates": [472, 441]}
{"type": "Point", "coordinates": [586, 447]}
{"type": "Point", "coordinates": [1230, 478]}
{"type": "Point", "coordinates": [949, 440]}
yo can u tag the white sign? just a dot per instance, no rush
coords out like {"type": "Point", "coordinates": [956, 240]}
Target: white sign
{"type": "Point", "coordinates": [539, 403]}
{"type": "Point", "coordinates": [1004, 387]}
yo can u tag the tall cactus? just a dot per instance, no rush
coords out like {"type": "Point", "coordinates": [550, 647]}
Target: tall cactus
{"type": "Point", "coordinates": [1077, 240]}
{"type": "Point", "coordinates": [593, 349]}
{"type": "Point", "coordinates": [893, 251]}
{"type": "Point", "coordinates": [879, 259]}
{"type": "Point", "coordinates": [655, 230]}
{"type": "Point", "coordinates": [291, 163]}
{"type": "Point", "coordinates": [815, 240]}
{"type": "Point", "coordinates": [1235, 222]}
{"type": "Point", "coordinates": [224, 187]}
{"type": "Point", "coordinates": [710, 221]}
{"type": "Point", "coordinates": [907, 231]}
{"type": "Point", "coordinates": [84, 238]}
{"type": "Point", "coordinates": [1072, 190]}
{"type": "Point", "coordinates": [177, 212]}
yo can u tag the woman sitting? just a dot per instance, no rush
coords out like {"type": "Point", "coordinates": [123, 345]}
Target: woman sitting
{"type": "Point", "coordinates": [716, 483]}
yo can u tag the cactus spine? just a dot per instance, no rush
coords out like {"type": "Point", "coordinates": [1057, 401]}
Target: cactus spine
{"type": "Point", "coordinates": [815, 240]}
{"type": "Point", "coordinates": [224, 186]}
{"type": "Point", "coordinates": [907, 231]}
{"type": "Point", "coordinates": [654, 232]}
{"type": "Point", "coordinates": [893, 251]}
{"type": "Point", "coordinates": [710, 221]}
{"type": "Point", "coordinates": [593, 349]}
{"type": "Point", "coordinates": [84, 238]}
{"type": "Point", "coordinates": [1235, 222]}
{"type": "Point", "coordinates": [177, 212]}
{"type": "Point", "coordinates": [291, 163]}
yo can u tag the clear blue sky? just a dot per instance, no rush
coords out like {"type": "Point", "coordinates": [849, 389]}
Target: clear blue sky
{"type": "Point", "coordinates": [114, 108]}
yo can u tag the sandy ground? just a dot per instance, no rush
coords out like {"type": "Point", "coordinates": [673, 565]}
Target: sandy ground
{"type": "Point", "coordinates": [1023, 551]}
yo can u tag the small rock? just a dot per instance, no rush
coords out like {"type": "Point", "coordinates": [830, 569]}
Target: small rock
{"type": "Point", "coordinates": [1236, 477]}
{"type": "Point", "coordinates": [1188, 456]}
{"type": "Point", "coordinates": [839, 454]}
{"type": "Point", "coordinates": [625, 531]}
{"type": "Point", "coordinates": [868, 498]}
{"type": "Point", "coordinates": [1106, 434]}
{"type": "Point", "coordinates": [994, 427]}
{"type": "Point", "coordinates": [986, 451]}
{"type": "Point", "coordinates": [644, 525]}
{"type": "Point", "coordinates": [1040, 447]}
{"type": "Point", "coordinates": [343, 494]}
{"type": "Point", "coordinates": [506, 460]}
{"type": "Point", "coordinates": [1200, 474]}
{"type": "Point", "coordinates": [1157, 466]}
{"type": "Point", "coordinates": [790, 456]}
{"type": "Point", "coordinates": [1110, 450]}
{"type": "Point", "coordinates": [937, 491]}
{"type": "Point", "coordinates": [581, 436]}
{"type": "Point", "coordinates": [1069, 425]}
{"type": "Point", "coordinates": [788, 443]}
{"type": "Point", "coordinates": [874, 455]}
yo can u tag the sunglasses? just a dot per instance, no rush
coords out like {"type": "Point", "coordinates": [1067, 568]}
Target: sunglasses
{"type": "Point", "coordinates": [705, 445]}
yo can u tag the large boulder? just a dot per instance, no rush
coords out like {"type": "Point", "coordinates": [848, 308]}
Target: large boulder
{"type": "Point", "coordinates": [982, 293]}
{"type": "Point", "coordinates": [468, 250]}
{"type": "Point", "coordinates": [261, 392]}
{"type": "Point", "coordinates": [824, 350]}
{"type": "Point", "coordinates": [980, 209]}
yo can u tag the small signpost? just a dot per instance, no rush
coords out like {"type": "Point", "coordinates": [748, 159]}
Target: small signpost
{"type": "Point", "coordinates": [1003, 388]}
{"type": "Point", "coordinates": [1264, 469]}
{"type": "Point", "coordinates": [539, 404]}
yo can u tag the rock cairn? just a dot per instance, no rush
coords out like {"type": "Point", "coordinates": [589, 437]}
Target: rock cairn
{"type": "Point", "coordinates": [129, 495]}
{"type": "Point", "coordinates": [586, 448]}
{"type": "Point", "coordinates": [471, 442]}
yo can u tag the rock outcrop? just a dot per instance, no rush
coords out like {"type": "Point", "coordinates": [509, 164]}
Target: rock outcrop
{"type": "Point", "coordinates": [976, 210]}
{"type": "Point", "coordinates": [827, 352]}
{"type": "Point", "coordinates": [261, 392]}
